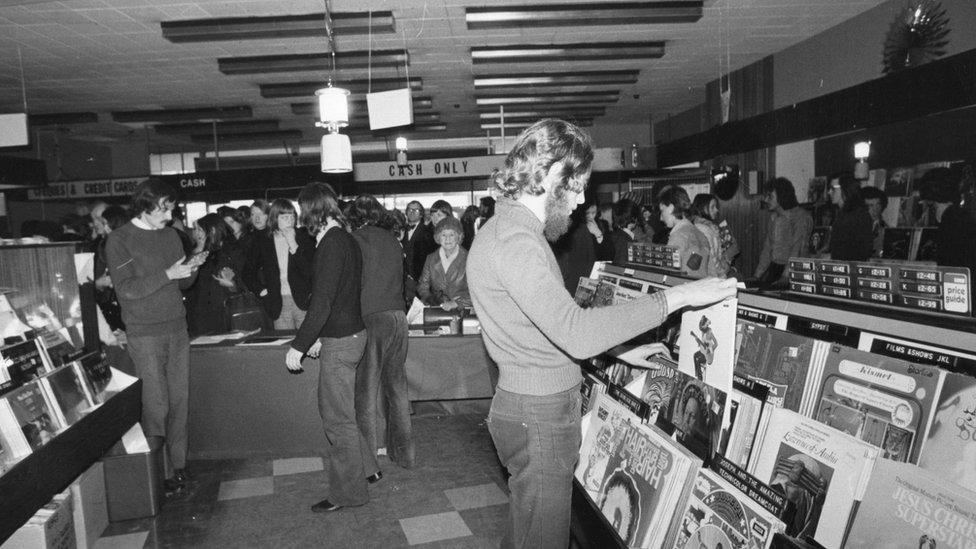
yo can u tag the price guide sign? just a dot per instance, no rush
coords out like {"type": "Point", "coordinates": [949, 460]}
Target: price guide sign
{"type": "Point", "coordinates": [929, 288]}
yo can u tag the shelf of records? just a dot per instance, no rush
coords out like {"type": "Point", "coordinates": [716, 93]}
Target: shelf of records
{"type": "Point", "coordinates": [39, 401]}
{"type": "Point", "coordinates": [747, 430]}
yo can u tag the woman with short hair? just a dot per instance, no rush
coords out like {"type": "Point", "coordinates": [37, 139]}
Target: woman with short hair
{"type": "Point", "coordinates": [443, 281]}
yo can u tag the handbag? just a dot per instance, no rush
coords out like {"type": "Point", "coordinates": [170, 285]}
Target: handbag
{"type": "Point", "coordinates": [245, 312]}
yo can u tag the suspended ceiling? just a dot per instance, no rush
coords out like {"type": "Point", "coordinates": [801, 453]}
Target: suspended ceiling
{"type": "Point", "coordinates": [92, 67]}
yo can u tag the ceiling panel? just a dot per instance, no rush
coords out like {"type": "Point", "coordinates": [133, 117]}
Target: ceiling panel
{"type": "Point", "coordinates": [103, 56]}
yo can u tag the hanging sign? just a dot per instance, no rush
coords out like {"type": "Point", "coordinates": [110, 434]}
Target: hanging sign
{"type": "Point", "coordinates": [439, 168]}
{"type": "Point", "coordinates": [67, 190]}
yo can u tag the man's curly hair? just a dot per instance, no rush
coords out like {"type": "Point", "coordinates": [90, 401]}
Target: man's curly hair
{"type": "Point", "coordinates": [536, 149]}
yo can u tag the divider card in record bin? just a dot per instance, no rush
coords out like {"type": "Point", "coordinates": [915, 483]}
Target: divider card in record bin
{"type": "Point", "coordinates": [943, 289]}
{"type": "Point", "coordinates": [654, 255]}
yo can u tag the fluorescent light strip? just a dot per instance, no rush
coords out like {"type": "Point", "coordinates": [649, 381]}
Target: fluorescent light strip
{"type": "Point", "coordinates": [356, 105]}
{"type": "Point", "coordinates": [583, 122]}
{"type": "Point", "coordinates": [183, 115]}
{"type": "Point", "coordinates": [609, 96]}
{"type": "Point", "coordinates": [307, 62]}
{"type": "Point", "coordinates": [580, 78]}
{"type": "Point", "coordinates": [567, 52]}
{"type": "Point", "coordinates": [204, 139]}
{"type": "Point", "coordinates": [245, 126]}
{"type": "Point", "coordinates": [62, 118]}
{"type": "Point", "coordinates": [364, 130]}
{"type": "Point", "coordinates": [541, 113]}
{"type": "Point", "coordinates": [582, 15]}
{"type": "Point", "coordinates": [286, 26]}
{"type": "Point", "coordinates": [303, 89]}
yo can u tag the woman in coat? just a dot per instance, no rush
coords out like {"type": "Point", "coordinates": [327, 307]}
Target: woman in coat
{"type": "Point", "coordinates": [443, 281]}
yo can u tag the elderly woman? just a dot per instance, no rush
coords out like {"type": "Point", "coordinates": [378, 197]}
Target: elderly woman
{"type": "Point", "coordinates": [443, 281]}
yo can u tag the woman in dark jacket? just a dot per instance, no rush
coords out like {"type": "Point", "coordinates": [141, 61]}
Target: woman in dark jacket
{"type": "Point", "coordinates": [444, 281]}
{"type": "Point", "coordinates": [273, 273]}
{"type": "Point", "coordinates": [217, 278]}
{"type": "Point", "coordinates": [333, 329]}
{"type": "Point", "coordinates": [851, 236]}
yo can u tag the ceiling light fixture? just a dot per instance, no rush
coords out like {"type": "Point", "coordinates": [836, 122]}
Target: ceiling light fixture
{"type": "Point", "coordinates": [577, 78]}
{"type": "Point", "coordinates": [334, 114]}
{"type": "Point", "coordinates": [596, 13]}
{"type": "Point", "coordinates": [862, 150]}
{"type": "Point", "coordinates": [357, 86]}
{"type": "Point", "coordinates": [567, 52]}
{"type": "Point", "coordinates": [562, 99]}
{"type": "Point", "coordinates": [401, 155]}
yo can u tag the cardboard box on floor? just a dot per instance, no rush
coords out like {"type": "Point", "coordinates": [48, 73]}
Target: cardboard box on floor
{"type": "Point", "coordinates": [90, 506]}
{"type": "Point", "coordinates": [52, 527]}
{"type": "Point", "coordinates": [133, 482]}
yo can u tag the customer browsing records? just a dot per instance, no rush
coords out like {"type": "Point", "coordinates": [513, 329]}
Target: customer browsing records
{"type": "Point", "coordinates": [535, 331]}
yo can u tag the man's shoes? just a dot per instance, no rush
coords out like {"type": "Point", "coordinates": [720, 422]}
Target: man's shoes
{"type": "Point", "coordinates": [325, 506]}
{"type": "Point", "coordinates": [172, 486]}
{"type": "Point", "coordinates": [375, 477]}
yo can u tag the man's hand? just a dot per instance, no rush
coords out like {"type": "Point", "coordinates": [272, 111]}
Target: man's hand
{"type": "Point", "coordinates": [700, 293]}
{"type": "Point", "coordinates": [103, 282]}
{"type": "Point", "coordinates": [315, 349]}
{"type": "Point", "coordinates": [179, 271]}
{"type": "Point", "coordinates": [293, 361]}
{"type": "Point", "coordinates": [449, 305]}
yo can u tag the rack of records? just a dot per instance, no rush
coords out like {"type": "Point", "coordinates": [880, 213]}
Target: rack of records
{"type": "Point", "coordinates": [765, 422]}
{"type": "Point", "coordinates": [55, 421]}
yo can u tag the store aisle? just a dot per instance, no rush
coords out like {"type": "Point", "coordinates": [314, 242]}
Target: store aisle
{"type": "Point", "coordinates": [455, 497]}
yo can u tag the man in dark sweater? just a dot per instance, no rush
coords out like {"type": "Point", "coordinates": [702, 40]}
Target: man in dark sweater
{"type": "Point", "coordinates": [333, 326]}
{"type": "Point", "coordinates": [382, 371]}
{"type": "Point", "coordinates": [146, 262]}
{"type": "Point", "coordinates": [535, 331]}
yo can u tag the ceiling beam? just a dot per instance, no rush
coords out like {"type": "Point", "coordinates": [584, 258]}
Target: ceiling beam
{"type": "Point", "coordinates": [308, 62]}
{"type": "Point", "coordinates": [183, 115]}
{"type": "Point", "coordinates": [361, 85]}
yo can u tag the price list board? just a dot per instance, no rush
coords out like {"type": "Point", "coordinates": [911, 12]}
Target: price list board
{"type": "Point", "coordinates": [654, 255]}
{"type": "Point", "coordinates": [935, 289]}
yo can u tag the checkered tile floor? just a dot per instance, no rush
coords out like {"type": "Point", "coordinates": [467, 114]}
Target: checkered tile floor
{"type": "Point", "coordinates": [454, 497]}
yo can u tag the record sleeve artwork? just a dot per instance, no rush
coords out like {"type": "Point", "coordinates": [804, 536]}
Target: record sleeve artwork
{"type": "Point", "coordinates": [706, 344]}
{"type": "Point", "coordinates": [777, 359]}
{"type": "Point", "coordinates": [950, 448]}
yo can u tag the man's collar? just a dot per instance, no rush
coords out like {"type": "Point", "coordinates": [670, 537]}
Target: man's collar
{"type": "Point", "coordinates": [138, 222]}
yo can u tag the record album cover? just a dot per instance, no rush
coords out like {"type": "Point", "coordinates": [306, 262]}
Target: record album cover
{"type": "Point", "coordinates": [950, 447]}
{"type": "Point", "coordinates": [821, 472]}
{"type": "Point", "coordinates": [719, 515]}
{"type": "Point", "coordinates": [881, 400]}
{"type": "Point", "coordinates": [34, 414]}
{"type": "Point", "coordinates": [608, 421]}
{"type": "Point", "coordinates": [706, 343]}
{"type": "Point", "coordinates": [69, 393]}
{"type": "Point", "coordinates": [906, 507]}
{"type": "Point", "coordinates": [787, 363]}
{"type": "Point", "coordinates": [693, 415]}
{"type": "Point", "coordinates": [643, 485]}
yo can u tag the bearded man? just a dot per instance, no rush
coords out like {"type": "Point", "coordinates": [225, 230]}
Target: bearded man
{"type": "Point", "coordinates": [536, 333]}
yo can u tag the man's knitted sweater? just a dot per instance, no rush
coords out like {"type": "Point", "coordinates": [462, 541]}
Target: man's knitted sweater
{"type": "Point", "coordinates": [530, 324]}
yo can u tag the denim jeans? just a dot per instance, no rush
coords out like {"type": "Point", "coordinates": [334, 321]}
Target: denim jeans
{"type": "Point", "coordinates": [344, 449]}
{"type": "Point", "coordinates": [381, 389]}
{"type": "Point", "coordinates": [162, 362]}
{"type": "Point", "coordinates": [537, 439]}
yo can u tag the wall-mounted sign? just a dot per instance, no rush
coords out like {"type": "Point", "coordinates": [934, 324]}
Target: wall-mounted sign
{"type": "Point", "coordinates": [68, 190]}
{"type": "Point", "coordinates": [440, 168]}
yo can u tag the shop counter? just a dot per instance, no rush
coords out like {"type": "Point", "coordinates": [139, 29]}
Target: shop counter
{"type": "Point", "coordinates": [245, 403]}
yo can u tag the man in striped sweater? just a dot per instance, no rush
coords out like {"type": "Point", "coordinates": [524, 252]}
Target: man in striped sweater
{"type": "Point", "coordinates": [535, 331]}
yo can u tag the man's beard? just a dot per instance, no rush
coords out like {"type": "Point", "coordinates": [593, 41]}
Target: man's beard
{"type": "Point", "coordinates": [558, 211]}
